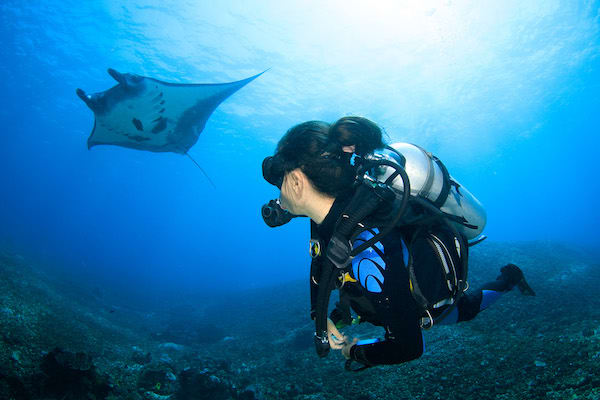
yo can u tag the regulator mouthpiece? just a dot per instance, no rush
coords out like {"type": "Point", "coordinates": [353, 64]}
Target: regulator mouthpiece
{"type": "Point", "coordinates": [274, 215]}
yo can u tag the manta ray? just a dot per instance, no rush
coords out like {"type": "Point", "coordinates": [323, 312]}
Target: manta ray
{"type": "Point", "coordinates": [147, 114]}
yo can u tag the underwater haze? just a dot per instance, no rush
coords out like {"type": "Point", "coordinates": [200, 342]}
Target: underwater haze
{"type": "Point", "coordinates": [506, 93]}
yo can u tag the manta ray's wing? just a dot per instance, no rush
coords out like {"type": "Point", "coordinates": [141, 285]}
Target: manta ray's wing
{"type": "Point", "coordinates": [147, 114]}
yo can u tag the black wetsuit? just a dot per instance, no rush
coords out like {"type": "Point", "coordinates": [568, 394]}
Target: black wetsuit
{"type": "Point", "coordinates": [378, 291]}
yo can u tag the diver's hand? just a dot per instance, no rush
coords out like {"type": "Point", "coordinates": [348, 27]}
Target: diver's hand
{"type": "Point", "coordinates": [336, 338]}
{"type": "Point", "coordinates": [346, 348]}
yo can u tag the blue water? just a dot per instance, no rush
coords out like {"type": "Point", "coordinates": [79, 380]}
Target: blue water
{"type": "Point", "coordinates": [505, 93]}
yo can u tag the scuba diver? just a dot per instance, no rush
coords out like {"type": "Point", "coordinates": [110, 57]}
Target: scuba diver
{"type": "Point", "coordinates": [390, 229]}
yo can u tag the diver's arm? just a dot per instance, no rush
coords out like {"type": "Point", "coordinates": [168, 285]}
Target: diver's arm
{"type": "Point", "coordinates": [385, 352]}
{"type": "Point", "coordinates": [401, 348]}
{"type": "Point", "coordinates": [403, 336]}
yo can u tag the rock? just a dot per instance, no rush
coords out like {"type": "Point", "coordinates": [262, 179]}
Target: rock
{"type": "Point", "coordinates": [588, 332]}
{"type": "Point", "coordinates": [172, 346]}
{"type": "Point", "coordinates": [75, 361]}
{"type": "Point", "coordinates": [201, 385]}
{"type": "Point", "coordinates": [155, 396]}
{"type": "Point", "coordinates": [251, 392]}
{"type": "Point", "coordinates": [72, 375]}
{"type": "Point", "coordinates": [12, 387]}
{"type": "Point", "coordinates": [157, 378]}
{"type": "Point", "coordinates": [293, 389]}
{"type": "Point", "coordinates": [139, 357]}
{"type": "Point", "coordinates": [171, 376]}
{"type": "Point", "coordinates": [15, 356]}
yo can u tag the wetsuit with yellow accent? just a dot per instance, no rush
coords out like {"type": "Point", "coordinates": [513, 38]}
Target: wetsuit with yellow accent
{"type": "Point", "coordinates": [380, 295]}
{"type": "Point", "coordinates": [377, 288]}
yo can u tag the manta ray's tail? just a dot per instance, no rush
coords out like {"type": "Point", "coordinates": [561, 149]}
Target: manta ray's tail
{"type": "Point", "coordinates": [202, 169]}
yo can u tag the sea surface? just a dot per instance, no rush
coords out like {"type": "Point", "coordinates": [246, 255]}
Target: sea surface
{"type": "Point", "coordinates": [130, 270]}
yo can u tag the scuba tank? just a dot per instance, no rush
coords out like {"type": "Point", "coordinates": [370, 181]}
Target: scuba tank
{"type": "Point", "coordinates": [429, 179]}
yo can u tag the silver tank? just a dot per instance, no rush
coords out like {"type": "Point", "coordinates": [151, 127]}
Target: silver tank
{"type": "Point", "coordinates": [426, 180]}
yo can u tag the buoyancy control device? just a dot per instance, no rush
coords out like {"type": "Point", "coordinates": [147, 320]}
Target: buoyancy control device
{"type": "Point", "coordinates": [417, 177]}
{"type": "Point", "coordinates": [441, 198]}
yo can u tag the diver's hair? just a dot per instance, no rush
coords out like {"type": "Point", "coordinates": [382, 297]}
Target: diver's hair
{"type": "Point", "coordinates": [304, 146]}
{"type": "Point", "coordinates": [361, 132]}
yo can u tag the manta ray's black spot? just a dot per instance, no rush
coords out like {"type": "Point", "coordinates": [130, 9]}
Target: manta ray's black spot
{"type": "Point", "coordinates": [138, 124]}
{"type": "Point", "coordinates": [138, 138]}
{"type": "Point", "coordinates": [162, 102]}
{"type": "Point", "coordinates": [160, 126]}
{"type": "Point", "coordinates": [162, 110]}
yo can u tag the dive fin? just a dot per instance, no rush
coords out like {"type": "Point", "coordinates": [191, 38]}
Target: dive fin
{"type": "Point", "coordinates": [524, 288]}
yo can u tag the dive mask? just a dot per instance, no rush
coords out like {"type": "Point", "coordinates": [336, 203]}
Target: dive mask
{"type": "Point", "coordinates": [273, 170]}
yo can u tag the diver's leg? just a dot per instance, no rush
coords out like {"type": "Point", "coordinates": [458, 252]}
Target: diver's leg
{"type": "Point", "coordinates": [471, 304]}
{"type": "Point", "coordinates": [510, 276]}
